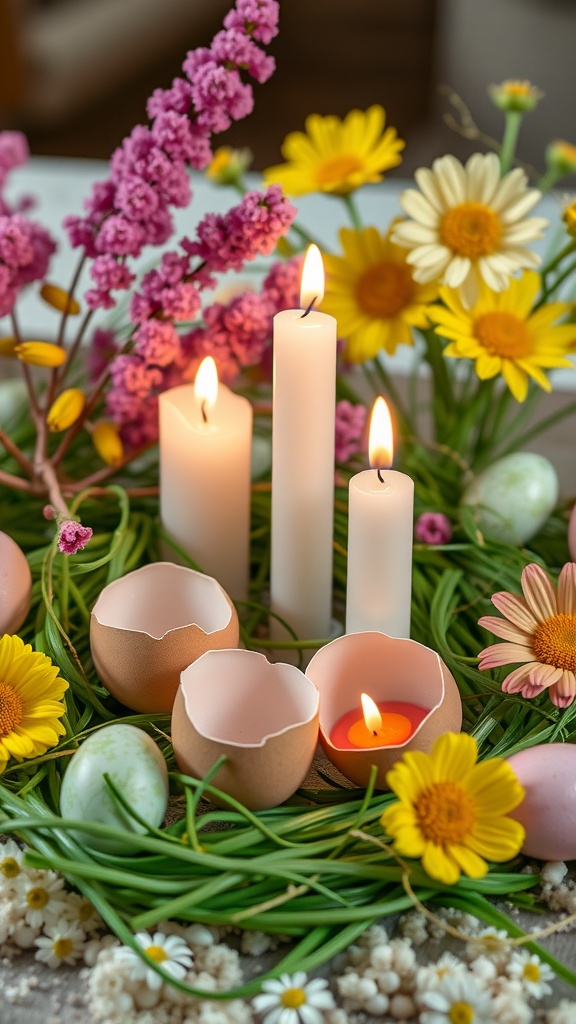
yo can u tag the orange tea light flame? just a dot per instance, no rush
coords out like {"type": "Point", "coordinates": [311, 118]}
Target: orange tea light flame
{"type": "Point", "coordinates": [312, 282]}
{"type": "Point", "coordinates": [206, 386]}
{"type": "Point", "coordinates": [381, 439]}
{"type": "Point", "coordinates": [378, 730]}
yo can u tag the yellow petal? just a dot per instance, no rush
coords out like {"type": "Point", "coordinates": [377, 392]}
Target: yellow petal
{"type": "Point", "coordinates": [59, 299]}
{"type": "Point", "coordinates": [66, 409]}
{"type": "Point", "coordinates": [40, 353]}
{"type": "Point", "coordinates": [107, 442]}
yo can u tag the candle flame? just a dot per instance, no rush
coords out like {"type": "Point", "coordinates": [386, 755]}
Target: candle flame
{"type": "Point", "coordinates": [371, 713]}
{"type": "Point", "coordinates": [206, 384]}
{"type": "Point", "coordinates": [312, 283]}
{"type": "Point", "coordinates": [381, 442]}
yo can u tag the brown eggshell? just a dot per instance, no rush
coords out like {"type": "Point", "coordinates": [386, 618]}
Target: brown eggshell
{"type": "Point", "coordinates": [15, 585]}
{"type": "Point", "coordinates": [263, 718]}
{"type": "Point", "coordinates": [386, 668]}
{"type": "Point", "coordinates": [146, 627]}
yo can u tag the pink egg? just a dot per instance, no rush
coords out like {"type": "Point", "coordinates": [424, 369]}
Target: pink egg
{"type": "Point", "coordinates": [548, 811]}
{"type": "Point", "coordinates": [15, 585]}
{"type": "Point", "coordinates": [572, 534]}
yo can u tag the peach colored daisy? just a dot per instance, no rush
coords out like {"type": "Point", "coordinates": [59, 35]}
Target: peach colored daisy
{"type": "Point", "coordinates": [539, 631]}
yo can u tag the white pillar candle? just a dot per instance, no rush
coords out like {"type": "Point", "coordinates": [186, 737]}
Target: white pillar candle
{"type": "Point", "coordinates": [303, 430]}
{"type": "Point", "coordinates": [205, 441]}
{"type": "Point", "coordinates": [380, 528]}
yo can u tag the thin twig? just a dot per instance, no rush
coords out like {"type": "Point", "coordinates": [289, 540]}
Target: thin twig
{"type": "Point", "coordinates": [16, 482]}
{"type": "Point", "coordinates": [16, 454]}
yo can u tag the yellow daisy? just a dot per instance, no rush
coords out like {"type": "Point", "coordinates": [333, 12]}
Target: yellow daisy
{"type": "Point", "coordinates": [337, 156]}
{"type": "Point", "coordinates": [371, 292]}
{"type": "Point", "coordinates": [31, 705]}
{"type": "Point", "coordinates": [503, 334]}
{"type": "Point", "coordinates": [452, 811]}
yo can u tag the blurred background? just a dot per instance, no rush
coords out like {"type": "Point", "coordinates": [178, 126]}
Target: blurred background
{"type": "Point", "coordinates": [75, 74]}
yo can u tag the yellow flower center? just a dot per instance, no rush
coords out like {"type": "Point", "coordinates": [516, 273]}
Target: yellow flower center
{"type": "Point", "coordinates": [445, 813]}
{"type": "Point", "coordinates": [565, 151]}
{"type": "Point", "coordinates": [62, 948]}
{"type": "Point", "coordinates": [9, 867]}
{"type": "Point", "coordinates": [37, 898]}
{"type": "Point", "coordinates": [461, 1013]}
{"type": "Point", "coordinates": [86, 911]}
{"type": "Point", "coordinates": [554, 642]}
{"type": "Point", "coordinates": [337, 168]}
{"type": "Point", "coordinates": [471, 229]}
{"type": "Point", "coordinates": [156, 953]}
{"type": "Point", "coordinates": [11, 709]}
{"type": "Point", "coordinates": [293, 998]}
{"type": "Point", "coordinates": [531, 972]}
{"type": "Point", "coordinates": [517, 88]}
{"type": "Point", "coordinates": [503, 334]}
{"type": "Point", "coordinates": [385, 289]}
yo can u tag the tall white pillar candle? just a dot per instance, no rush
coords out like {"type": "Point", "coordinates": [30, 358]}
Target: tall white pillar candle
{"type": "Point", "coordinates": [303, 430]}
{"type": "Point", "coordinates": [380, 529]}
{"type": "Point", "coordinates": [205, 450]}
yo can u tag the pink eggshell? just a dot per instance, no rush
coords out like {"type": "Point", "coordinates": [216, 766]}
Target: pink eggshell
{"type": "Point", "coordinates": [572, 534]}
{"type": "Point", "coordinates": [15, 585]}
{"type": "Point", "coordinates": [548, 811]}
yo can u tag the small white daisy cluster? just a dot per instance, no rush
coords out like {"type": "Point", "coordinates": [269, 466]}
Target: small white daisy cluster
{"type": "Point", "coordinates": [37, 911]}
{"type": "Point", "coordinates": [559, 892]}
{"type": "Point", "coordinates": [123, 989]}
{"type": "Point", "coordinates": [491, 981]}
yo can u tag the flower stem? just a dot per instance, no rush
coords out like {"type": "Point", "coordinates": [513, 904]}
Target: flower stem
{"type": "Point", "coordinates": [511, 130]}
{"type": "Point", "coordinates": [353, 211]}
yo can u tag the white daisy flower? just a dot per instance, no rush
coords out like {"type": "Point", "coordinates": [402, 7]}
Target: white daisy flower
{"type": "Point", "coordinates": [431, 975]}
{"type": "Point", "coordinates": [42, 898]}
{"type": "Point", "coordinates": [170, 951]}
{"type": "Point", "coordinates": [62, 943]}
{"type": "Point", "coordinates": [288, 1000]}
{"type": "Point", "coordinates": [532, 972]}
{"type": "Point", "coordinates": [469, 223]}
{"type": "Point", "coordinates": [491, 942]}
{"type": "Point", "coordinates": [79, 910]}
{"type": "Point", "coordinates": [10, 864]}
{"type": "Point", "coordinates": [458, 998]}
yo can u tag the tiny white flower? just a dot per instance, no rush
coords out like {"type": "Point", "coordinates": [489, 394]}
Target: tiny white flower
{"type": "Point", "coordinates": [10, 865]}
{"type": "Point", "coordinates": [564, 1013]}
{"type": "Point", "coordinates": [62, 943]}
{"type": "Point", "coordinates": [459, 999]}
{"type": "Point", "coordinates": [489, 942]}
{"type": "Point", "coordinates": [289, 1000]}
{"type": "Point", "coordinates": [532, 972]}
{"type": "Point", "coordinates": [431, 975]}
{"type": "Point", "coordinates": [79, 910]}
{"type": "Point", "coordinates": [171, 952]}
{"type": "Point", "coordinates": [42, 898]}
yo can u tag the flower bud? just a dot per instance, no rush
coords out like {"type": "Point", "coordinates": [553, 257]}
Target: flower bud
{"type": "Point", "coordinates": [40, 353]}
{"type": "Point", "coordinates": [515, 95]}
{"type": "Point", "coordinates": [107, 442]}
{"type": "Point", "coordinates": [569, 218]}
{"type": "Point", "coordinates": [561, 158]}
{"type": "Point", "coordinates": [65, 410]}
{"type": "Point", "coordinates": [228, 165]}
{"type": "Point", "coordinates": [59, 299]}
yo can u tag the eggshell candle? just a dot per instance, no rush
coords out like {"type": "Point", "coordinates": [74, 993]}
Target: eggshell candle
{"type": "Point", "coordinates": [548, 811]}
{"type": "Point", "coordinates": [15, 585]}
{"type": "Point", "coordinates": [137, 768]}
{"type": "Point", "coordinates": [513, 497]}
{"type": "Point", "coordinates": [150, 624]}
{"type": "Point", "coordinates": [263, 718]}
{"type": "Point", "coordinates": [388, 669]}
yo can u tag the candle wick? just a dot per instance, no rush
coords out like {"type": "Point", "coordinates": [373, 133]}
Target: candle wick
{"type": "Point", "coordinates": [374, 732]}
{"type": "Point", "coordinates": [380, 477]}
{"type": "Point", "coordinates": [203, 411]}
{"type": "Point", "coordinates": [312, 301]}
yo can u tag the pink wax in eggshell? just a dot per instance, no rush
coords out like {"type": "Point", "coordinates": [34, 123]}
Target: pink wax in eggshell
{"type": "Point", "coordinates": [339, 734]}
{"type": "Point", "coordinates": [548, 811]}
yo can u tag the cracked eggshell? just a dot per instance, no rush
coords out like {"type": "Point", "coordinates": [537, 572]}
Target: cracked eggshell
{"type": "Point", "coordinates": [548, 811]}
{"type": "Point", "coordinates": [263, 718]}
{"type": "Point", "coordinates": [386, 668]}
{"type": "Point", "coordinates": [513, 497]}
{"type": "Point", "coordinates": [15, 585]}
{"type": "Point", "coordinates": [135, 764]}
{"type": "Point", "coordinates": [146, 627]}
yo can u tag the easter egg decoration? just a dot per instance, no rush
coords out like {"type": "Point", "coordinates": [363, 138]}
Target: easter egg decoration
{"type": "Point", "coordinates": [15, 585]}
{"type": "Point", "coordinates": [513, 497]}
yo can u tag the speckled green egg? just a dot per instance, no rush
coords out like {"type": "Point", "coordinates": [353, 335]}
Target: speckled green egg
{"type": "Point", "coordinates": [136, 766]}
{"type": "Point", "coordinates": [513, 497]}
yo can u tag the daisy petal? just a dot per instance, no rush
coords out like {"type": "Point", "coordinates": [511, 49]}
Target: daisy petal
{"type": "Point", "coordinates": [539, 592]}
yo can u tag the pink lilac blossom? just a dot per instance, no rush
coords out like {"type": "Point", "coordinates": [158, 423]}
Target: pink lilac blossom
{"type": "Point", "coordinates": [25, 251]}
{"type": "Point", "coordinates": [103, 348]}
{"type": "Point", "coordinates": [149, 170]}
{"type": "Point", "coordinates": [14, 152]}
{"type": "Point", "coordinates": [235, 335]}
{"type": "Point", "coordinates": [72, 536]}
{"type": "Point", "coordinates": [350, 429]}
{"type": "Point", "coordinates": [157, 342]}
{"type": "Point", "coordinates": [433, 528]}
{"type": "Point", "coordinates": [282, 284]}
{"type": "Point", "coordinates": [252, 228]}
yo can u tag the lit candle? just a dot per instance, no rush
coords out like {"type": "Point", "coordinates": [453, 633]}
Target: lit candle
{"type": "Point", "coordinates": [388, 723]}
{"type": "Point", "coordinates": [380, 528]}
{"type": "Point", "coordinates": [205, 441]}
{"type": "Point", "coordinates": [303, 461]}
